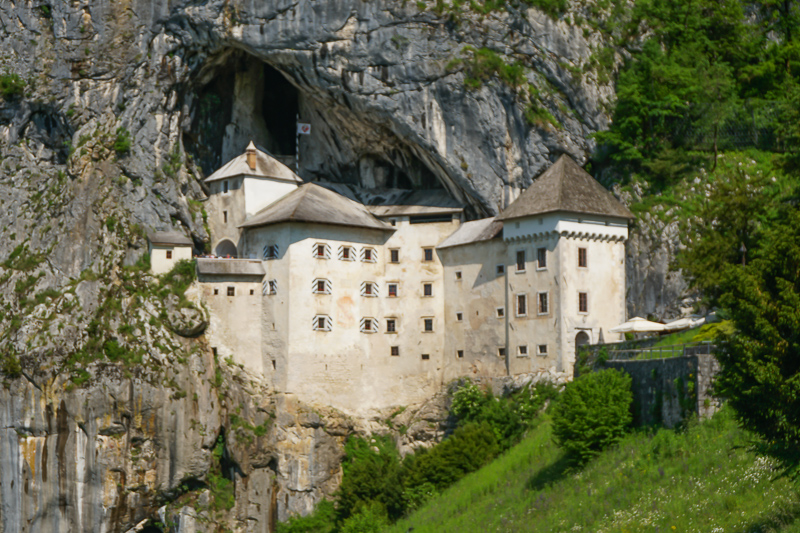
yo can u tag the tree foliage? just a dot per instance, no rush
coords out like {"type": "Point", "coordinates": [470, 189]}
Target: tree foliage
{"type": "Point", "coordinates": [593, 413]}
{"type": "Point", "coordinates": [760, 361]}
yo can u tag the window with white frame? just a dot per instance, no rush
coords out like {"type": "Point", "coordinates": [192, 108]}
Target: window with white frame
{"type": "Point", "coordinates": [369, 289]}
{"type": "Point", "coordinates": [346, 253]}
{"type": "Point", "coordinates": [269, 286]}
{"type": "Point", "coordinates": [427, 289]}
{"type": "Point", "coordinates": [392, 289]}
{"type": "Point", "coordinates": [391, 325]}
{"type": "Point", "coordinates": [427, 324]}
{"type": "Point", "coordinates": [543, 303]}
{"type": "Point", "coordinates": [321, 286]}
{"type": "Point", "coordinates": [271, 252]}
{"type": "Point", "coordinates": [369, 325]}
{"type": "Point", "coordinates": [541, 258]}
{"type": "Point", "coordinates": [322, 323]}
{"type": "Point", "coordinates": [500, 312]}
{"type": "Point", "coordinates": [368, 255]}
{"type": "Point", "coordinates": [520, 260]}
{"type": "Point", "coordinates": [522, 351]}
{"type": "Point", "coordinates": [522, 304]}
{"type": "Point", "coordinates": [321, 250]}
{"type": "Point", "coordinates": [541, 350]}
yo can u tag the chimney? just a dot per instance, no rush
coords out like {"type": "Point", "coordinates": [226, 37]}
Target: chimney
{"type": "Point", "coordinates": [251, 155]}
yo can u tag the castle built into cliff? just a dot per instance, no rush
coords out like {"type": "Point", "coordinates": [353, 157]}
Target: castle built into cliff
{"type": "Point", "coordinates": [364, 299]}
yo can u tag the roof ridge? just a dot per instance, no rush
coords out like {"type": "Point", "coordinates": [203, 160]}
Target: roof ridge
{"type": "Point", "coordinates": [301, 196]}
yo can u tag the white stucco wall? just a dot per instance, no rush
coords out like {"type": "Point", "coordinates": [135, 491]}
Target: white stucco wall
{"type": "Point", "coordinates": [159, 263]}
{"type": "Point", "coordinates": [261, 192]}
{"type": "Point", "coordinates": [232, 202]}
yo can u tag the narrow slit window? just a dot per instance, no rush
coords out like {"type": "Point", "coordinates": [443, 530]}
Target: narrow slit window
{"type": "Point", "coordinates": [582, 257]}
{"type": "Point", "coordinates": [224, 217]}
{"type": "Point", "coordinates": [225, 186]}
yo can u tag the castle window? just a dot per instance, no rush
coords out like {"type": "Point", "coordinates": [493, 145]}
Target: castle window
{"type": "Point", "coordinates": [583, 302]}
{"type": "Point", "coordinates": [321, 323]}
{"type": "Point", "coordinates": [522, 304]}
{"type": "Point", "coordinates": [458, 275]}
{"type": "Point", "coordinates": [522, 351]}
{"type": "Point", "coordinates": [395, 351]}
{"type": "Point", "coordinates": [426, 356]}
{"type": "Point", "coordinates": [369, 289]}
{"type": "Point", "coordinates": [542, 350]}
{"type": "Point", "coordinates": [169, 254]}
{"type": "Point", "coordinates": [270, 252]}
{"type": "Point", "coordinates": [321, 251]}
{"type": "Point", "coordinates": [501, 312]}
{"type": "Point", "coordinates": [346, 253]}
{"type": "Point", "coordinates": [368, 255]}
{"type": "Point", "coordinates": [391, 325]}
{"type": "Point", "coordinates": [501, 351]}
{"type": "Point", "coordinates": [500, 270]}
{"type": "Point", "coordinates": [369, 325]}
{"type": "Point", "coordinates": [321, 286]}
{"type": "Point", "coordinates": [225, 187]}
{"type": "Point", "coordinates": [520, 260]}
{"type": "Point", "coordinates": [231, 291]}
{"type": "Point", "coordinates": [427, 289]}
{"type": "Point", "coordinates": [394, 255]}
{"type": "Point", "coordinates": [459, 317]}
{"type": "Point", "coordinates": [224, 217]}
{"type": "Point", "coordinates": [252, 292]}
{"type": "Point", "coordinates": [582, 257]}
{"type": "Point", "coordinates": [216, 291]}
{"type": "Point", "coordinates": [460, 354]}
{"type": "Point", "coordinates": [269, 286]}
{"type": "Point", "coordinates": [427, 325]}
{"type": "Point", "coordinates": [392, 290]}
{"type": "Point", "coordinates": [427, 254]}
{"type": "Point", "coordinates": [541, 258]}
{"type": "Point", "coordinates": [543, 307]}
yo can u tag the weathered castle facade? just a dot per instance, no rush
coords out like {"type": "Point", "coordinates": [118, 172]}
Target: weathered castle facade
{"type": "Point", "coordinates": [368, 299]}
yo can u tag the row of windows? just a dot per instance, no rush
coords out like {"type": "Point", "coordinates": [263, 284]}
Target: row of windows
{"type": "Point", "coordinates": [369, 289]}
{"type": "Point", "coordinates": [541, 260]}
{"type": "Point", "coordinates": [348, 253]}
{"type": "Point", "coordinates": [370, 325]}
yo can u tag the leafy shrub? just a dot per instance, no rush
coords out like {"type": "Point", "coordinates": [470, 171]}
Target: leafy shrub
{"type": "Point", "coordinates": [122, 144]}
{"type": "Point", "coordinates": [468, 401]}
{"type": "Point", "coordinates": [320, 521]}
{"type": "Point", "coordinates": [593, 413]}
{"type": "Point", "coordinates": [11, 85]}
{"type": "Point", "coordinates": [368, 519]}
{"type": "Point", "coordinates": [481, 64]}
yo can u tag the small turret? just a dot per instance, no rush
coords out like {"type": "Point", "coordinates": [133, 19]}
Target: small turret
{"type": "Point", "coordinates": [251, 155]}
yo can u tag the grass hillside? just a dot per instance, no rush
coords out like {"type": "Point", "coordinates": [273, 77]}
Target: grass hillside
{"type": "Point", "coordinates": [700, 479]}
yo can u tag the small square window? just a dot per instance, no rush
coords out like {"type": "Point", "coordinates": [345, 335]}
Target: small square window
{"type": "Point", "coordinates": [346, 253]}
{"type": "Point", "coordinates": [368, 255]}
{"type": "Point", "coordinates": [369, 325]}
{"type": "Point", "coordinates": [582, 257]}
{"type": "Point", "coordinates": [169, 254]}
{"type": "Point", "coordinates": [458, 275]}
{"type": "Point", "coordinates": [426, 356]}
{"type": "Point", "coordinates": [231, 291]}
{"type": "Point", "coordinates": [500, 269]}
{"type": "Point", "coordinates": [391, 325]}
{"type": "Point", "coordinates": [427, 325]}
{"type": "Point", "coordinates": [521, 261]}
{"type": "Point", "coordinates": [394, 256]}
{"type": "Point", "coordinates": [322, 323]}
{"type": "Point", "coordinates": [393, 222]}
{"type": "Point", "coordinates": [501, 312]}
{"type": "Point", "coordinates": [541, 349]}
{"type": "Point", "coordinates": [459, 317]}
{"type": "Point", "coordinates": [321, 251]}
{"type": "Point", "coordinates": [583, 302]}
{"type": "Point", "coordinates": [427, 254]}
{"type": "Point", "coordinates": [501, 352]}
{"type": "Point", "coordinates": [216, 291]}
{"type": "Point", "coordinates": [460, 354]}
{"type": "Point", "coordinates": [541, 258]}
{"type": "Point", "coordinates": [395, 351]}
{"type": "Point", "coordinates": [543, 304]}
{"type": "Point", "coordinates": [321, 286]}
{"type": "Point", "coordinates": [427, 289]}
{"type": "Point", "coordinates": [392, 290]}
{"type": "Point", "coordinates": [522, 351]}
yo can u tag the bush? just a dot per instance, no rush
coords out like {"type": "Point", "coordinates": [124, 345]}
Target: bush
{"type": "Point", "coordinates": [122, 144]}
{"type": "Point", "coordinates": [370, 518]}
{"type": "Point", "coordinates": [593, 413]}
{"type": "Point", "coordinates": [11, 85]}
{"type": "Point", "coordinates": [320, 521]}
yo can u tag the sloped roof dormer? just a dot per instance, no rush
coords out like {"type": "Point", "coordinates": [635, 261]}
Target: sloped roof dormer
{"type": "Point", "coordinates": [565, 187]}
{"type": "Point", "coordinates": [255, 163]}
{"type": "Point", "coordinates": [315, 204]}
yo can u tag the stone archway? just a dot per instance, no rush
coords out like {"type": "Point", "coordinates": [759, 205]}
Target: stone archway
{"type": "Point", "coordinates": [581, 339]}
{"type": "Point", "coordinates": [225, 248]}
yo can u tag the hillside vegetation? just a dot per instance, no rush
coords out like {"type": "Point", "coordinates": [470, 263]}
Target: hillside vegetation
{"type": "Point", "coordinates": [702, 478]}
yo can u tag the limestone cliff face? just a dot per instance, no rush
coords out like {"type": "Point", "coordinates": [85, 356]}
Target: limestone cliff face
{"type": "Point", "coordinates": [110, 420]}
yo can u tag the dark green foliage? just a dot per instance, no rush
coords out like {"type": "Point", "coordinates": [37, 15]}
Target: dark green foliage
{"type": "Point", "coordinates": [554, 8]}
{"type": "Point", "coordinates": [11, 85]}
{"type": "Point", "coordinates": [482, 64]}
{"type": "Point", "coordinates": [122, 143]}
{"type": "Point", "coordinates": [9, 363]}
{"type": "Point", "coordinates": [320, 521]}
{"type": "Point", "coordinates": [593, 413]}
{"type": "Point", "coordinates": [760, 362]}
{"type": "Point", "coordinates": [369, 519]}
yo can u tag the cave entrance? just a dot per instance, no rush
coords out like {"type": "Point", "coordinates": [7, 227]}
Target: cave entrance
{"type": "Point", "coordinates": [279, 108]}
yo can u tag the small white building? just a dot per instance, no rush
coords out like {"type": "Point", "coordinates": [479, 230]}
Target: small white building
{"type": "Point", "coordinates": [167, 248]}
{"type": "Point", "coordinates": [374, 298]}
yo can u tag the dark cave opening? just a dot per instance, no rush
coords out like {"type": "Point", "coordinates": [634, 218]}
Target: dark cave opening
{"type": "Point", "coordinates": [279, 107]}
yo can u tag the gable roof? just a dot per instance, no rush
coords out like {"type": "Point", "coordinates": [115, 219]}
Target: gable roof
{"type": "Point", "coordinates": [484, 229]}
{"type": "Point", "coordinates": [312, 203]}
{"type": "Point", "coordinates": [169, 237]}
{"type": "Point", "coordinates": [565, 186]}
{"type": "Point", "coordinates": [266, 167]}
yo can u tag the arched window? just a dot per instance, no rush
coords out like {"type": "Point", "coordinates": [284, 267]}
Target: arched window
{"type": "Point", "coordinates": [225, 248]}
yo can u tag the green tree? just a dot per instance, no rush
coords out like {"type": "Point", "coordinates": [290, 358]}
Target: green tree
{"type": "Point", "coordinates": [593, 413]}
{"type": "Point", "coordinates": [760, 362]}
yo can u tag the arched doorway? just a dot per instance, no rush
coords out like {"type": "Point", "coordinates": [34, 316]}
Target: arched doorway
{"type": "Point", "coordinates": [225, 248]}
{"type": "Point", "coordinates": [581, 339]}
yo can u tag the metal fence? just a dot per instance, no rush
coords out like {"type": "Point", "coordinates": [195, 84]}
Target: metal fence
{"type": "Point", "coordinates": [663, 352]}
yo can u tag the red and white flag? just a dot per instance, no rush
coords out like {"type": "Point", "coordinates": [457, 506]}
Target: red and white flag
{"type": "Point", "coordinates": [303, 129]}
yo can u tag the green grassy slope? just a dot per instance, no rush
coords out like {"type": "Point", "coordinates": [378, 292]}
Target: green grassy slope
{"type": "Point", "coordinates": [701, 479]}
